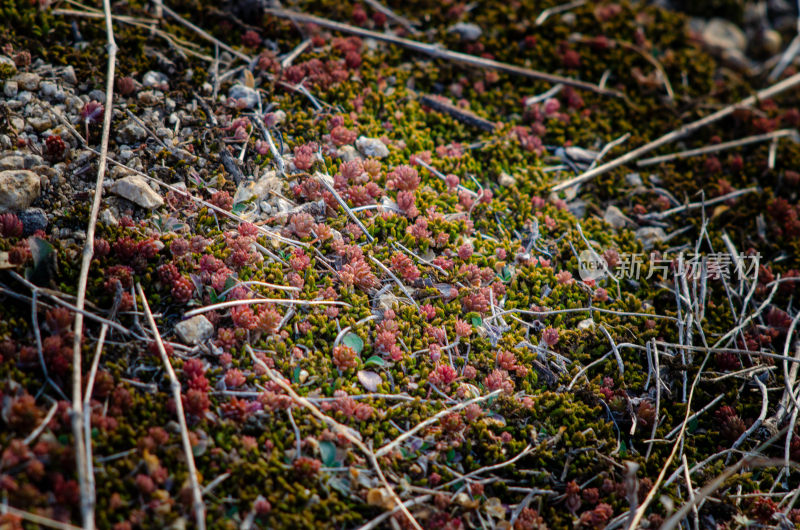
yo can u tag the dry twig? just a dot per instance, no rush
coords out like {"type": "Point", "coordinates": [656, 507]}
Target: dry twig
{"type": "Point", "coordinates": [686, 130]}
{"type": "Point", "coordinates": [175, 387]}
{"type": "Point", "coordinates": [339, 429]}
{"type": "Point", "coordinates": [441, 53]}
{"type": "Point", "coordinates": [87, 504]}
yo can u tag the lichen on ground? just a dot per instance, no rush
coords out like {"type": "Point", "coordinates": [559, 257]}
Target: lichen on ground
{"type": "Point", "coordinates": [411, 259]}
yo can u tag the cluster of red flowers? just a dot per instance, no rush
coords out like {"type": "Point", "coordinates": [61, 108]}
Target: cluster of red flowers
{"type": "Point", "coordinates": [10, 225]}
{"type": "Point", "coordinates": [443, 375]}
{"type": "Point", "coordinates": [403, 266]}
{"type": "Point", "coordinates": [386, 336]}
{"type": "Point", "coordinates": [344, 357]}
{"type": "Point", "coordinates": [195, 399]}
{"type": "Point", "coordinates": [499, 379]}
{"type": "Point", "coordinates": [349, 406]}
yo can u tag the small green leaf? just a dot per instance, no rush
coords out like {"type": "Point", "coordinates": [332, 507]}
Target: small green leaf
{"type": "Point", "coordinates": [327, 451]}
{"type": "Point", "coordinates": [451, 454]}
{"type": "Point", "coordinates": [375, 360]}
{"type": "Point", "coordinates": [351, 340]}
{"type": "Point", "coordinates": [44, 260]}
{"type": "Point", "coordinates": [296, 374]}
{"type": "Point", "coordinates": [339, 485]}
{"type": "Point", "coordinates": [477, 322]}
{"type": "Point", "coordinates": [623, 448]}
{"type": "Point", "coordinates": [212, 295]}
{"type": "Point", "coordinates": [238, 208]}
{"type": "Point", "coordinates": [505, 274]}
{"type": "Point", "coordinates": [691, 427]}
{"type": "Point", "coordinates": [230, 282]}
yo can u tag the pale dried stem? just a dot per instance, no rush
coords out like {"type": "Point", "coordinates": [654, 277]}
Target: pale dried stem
{"type": "Point", "coordinates": [254, 301]}
{"type": "Point", "coordinates": [375, 523]}
{"type": "Point", "coordinates": [689, 128]}
{"type": "Point", "coordinates": [433, 419]}
{"type": "Point", "coordinates": [175, 387]}
{"type": "Point", "coordinates": [675, 520]}
{"type": "Point", "coordinates": [339, 429]}
{"type": "Point", "coordinates": [87, 411]}
{"type": "Point", "coordinates": [87, 496]}
{"type": "Point", "coordinates": [657, 216]}
{"type": "Point", "coordinates": [439, 52]}
{"type": "Point", "coordinates": [206, 35]}
{"type": "Point", "coordinates": [42, 426]}
{"type": "Point", "coordinates": [715, 148]}
{"type": "Point", "coordinates": [36, 519]}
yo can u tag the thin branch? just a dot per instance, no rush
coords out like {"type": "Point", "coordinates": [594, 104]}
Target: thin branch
{"type": "Point", "coordinates": [42, 426]}
{"type": "Point", "coordinates": [36, 519]}
{"type": "Point", "coordinates": [675, 520]}
{"type": "Point", "coordinates": [206, 35]}
{"type": "Point", "coordinates": [544, 15]}
{"type": "Point", "coordinates": [175, 386]}
{"type": "Point", "coordinates": [321, 179]}
{"type": "Point", "coordinates": [433, 419]}
{"type": "Point", "coordinates": [718, 147]}
{"type": "Point", "coordinates": [87, 504]}
{"type": "Point", "coordinates": [339, 429]}
{"type": "Point", "coordinates": [710, 404]}
{"type": "Point", "coordinates": [689, 128]}
{"type": "Point", "coordinates": [441, 104]}
{"type": "Point", "coordinates": [695, 205]}
{"type": "Point", "coordinates": [87, 413]}
{"type": "Point", "coordinates": [287, 61]}
{"type": "Point", "coordinates": [391, 15]}
{"type": "Point", "coordinates": [439, 52]}
{"type": "Point", "coordinates": [375, 523]}
{"type": "Point", "coordinates": [234, 303]}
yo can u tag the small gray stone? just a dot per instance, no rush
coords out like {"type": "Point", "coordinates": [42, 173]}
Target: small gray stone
{"type": "Point", "coordinates": [275, 118]}
{"type": "Point", "coordinates": [131, 133]}
{"type": "Point", "coordinates": [722, 34]}
{"type": "Point", "coordinates": [466, 31]}
{"type": "Point", "coordinates": [19, 161]}
{"type": "Point", "coordinates": [48, 89]}
{"type": "Point", "coordinates": [33, 219]}
{"type": "Point", "coordinates": [616, 218]}
{"type": "Point", "coordinates": [28, 81]}
{"type": "Point", "coordinates": [155, 79]}
{"type": "Point", "coordinates": [107, 218]}
{"type": "Point", "coordinates": [369, 380]}
{"type": "Point", "coordinates": [769, 41]}
{"type": "Point", "coordinates": [372, 147]}
{"type": "Point", "coordinates": [24, 97]}
{"type": "Point", "coordinates": [195, 330]}
{"type": "Point", "coordinates": [68, 75]}
{"type": "Point", "coordinates": [40, 123]}
{"type": "Point", "coordinates": [125, 154]}
{"type": "Point", "coordinates": [18, 123]}
{"type": "Point", "coordinates": [577, 208]}
{"type": "Point", "coordinates": [246, 95]}
{"type": "Point", "coordinates": [506, 180]}
{"type": "Point", "coordinates": [650, 235]}
{"type": "Point", "coordinates": [348, 153]}
{"type": "Point", "coordinates": [150, 97]}
{"type": "Point", "coordinates": [18, 189]}
{"type": "Point", "coordinates": [98, 95]}
{"type": "Point", "coordinates": [634, 179]}
{"type": "Point", "coordinates": [10, 89]}
{"type": "Point", "coordinates": [135, 189]}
